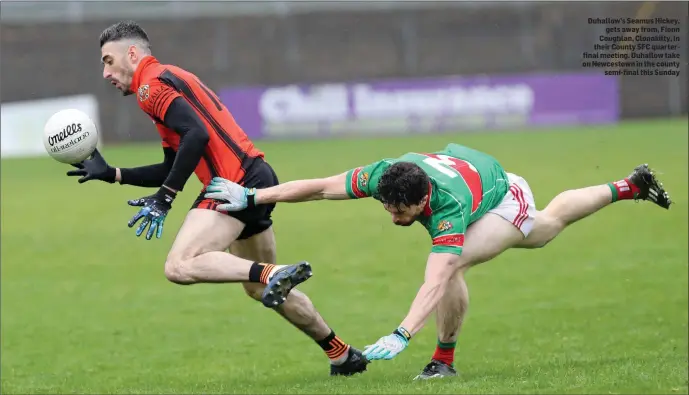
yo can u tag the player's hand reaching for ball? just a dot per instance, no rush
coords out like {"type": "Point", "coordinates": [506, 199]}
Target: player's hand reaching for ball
{"type": "Point", "coordinates": [237, 197]}
{"type": "Point", "coordinates": [94, 168]}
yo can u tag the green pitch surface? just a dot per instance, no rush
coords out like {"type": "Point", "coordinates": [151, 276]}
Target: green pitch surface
{"type": "Point", "coordinates": [86, 308]}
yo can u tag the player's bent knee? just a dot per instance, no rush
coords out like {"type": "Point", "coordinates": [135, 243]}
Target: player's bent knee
{"type": "Point", "coordinates": [254, 290]}
{"type": "Point", "coordinates": [537, 243]}
{"type": "Point", "coordinates": [545, 229]}
{"type": "Point", "coordinates": [554, 227]}
{"type": "Point", "coordinates": [219, 231]}
{"type": "Point", "coordinates": [176, 272]}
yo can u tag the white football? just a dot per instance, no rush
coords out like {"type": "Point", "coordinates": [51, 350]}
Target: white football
{"type": "Point", "coordinates": [70, 136]}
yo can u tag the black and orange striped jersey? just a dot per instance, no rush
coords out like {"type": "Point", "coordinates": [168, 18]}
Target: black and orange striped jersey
{"type": "Point", "coordinates": [229, 151]}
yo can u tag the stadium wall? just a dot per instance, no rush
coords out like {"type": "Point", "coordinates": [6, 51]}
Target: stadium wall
{"type": "Point", "coordinates": [60, 59]}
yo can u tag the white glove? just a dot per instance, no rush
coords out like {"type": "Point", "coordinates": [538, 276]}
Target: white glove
{"type": "Point", "coordinates": [387, 347]}
{"type": "Point", "coordinates": [237, 197]}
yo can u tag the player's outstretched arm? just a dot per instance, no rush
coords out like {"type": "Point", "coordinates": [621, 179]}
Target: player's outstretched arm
{"type": "Point", "coordinates": [96, 168]}
{"type": "Point", "coordinates": [330, 188]}
{"type": "Point", "coordinates": [446, 228]}
{"type": "Point", "coordinates": [151, 176]}
{"type": "Point", "coordinates": [239, 197]}
{"type": "Point", "coordinates": [440, 268]}
{"type": "Point", "coordinates": [357, 183]}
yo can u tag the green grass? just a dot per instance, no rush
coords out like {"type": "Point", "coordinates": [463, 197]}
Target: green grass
{"type": "Point", "coordinates": [603, 309]}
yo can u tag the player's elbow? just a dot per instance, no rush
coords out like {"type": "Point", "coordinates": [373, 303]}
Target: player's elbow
{"type": "Point", "coordinates": [333, 188]}
{"type": "Point", "coordinates": [444, 270]}
{"type": "Point", "coordinates": [443, 278]}
{"type": "Point", "coordinates": [204, 135]}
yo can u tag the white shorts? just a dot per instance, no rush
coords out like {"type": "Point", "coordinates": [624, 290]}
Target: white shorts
{"type": "Point", "coordinates": [518, 206]}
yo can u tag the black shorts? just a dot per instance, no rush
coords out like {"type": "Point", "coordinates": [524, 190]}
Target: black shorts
{"type": "Point", "coordinates": [259, 175]}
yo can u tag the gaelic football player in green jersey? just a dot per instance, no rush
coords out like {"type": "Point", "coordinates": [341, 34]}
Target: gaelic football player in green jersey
{"type": "Point", "coordinates": [472, 209]}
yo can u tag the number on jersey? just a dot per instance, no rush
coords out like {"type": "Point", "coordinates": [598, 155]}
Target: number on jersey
{"type": "Point", "coordinates": [453, 167]}
{"type": "Point", "coordinates": [448, 165]}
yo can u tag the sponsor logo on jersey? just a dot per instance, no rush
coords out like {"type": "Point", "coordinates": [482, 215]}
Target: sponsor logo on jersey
{"type": "Point", "coordinates": [354, 185]}
{"type": "Point", "coordinates": [363, 179]}
{"type": "Point", "coordinates": [144, 92]}
{"type": "Point", "coordinates": [444, 225]}
{"type": "Point", "coordinates": [451, 240]}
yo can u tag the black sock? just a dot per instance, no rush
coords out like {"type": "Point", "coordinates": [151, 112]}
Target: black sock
{"type": "Point", "coordinates": [333, 346]}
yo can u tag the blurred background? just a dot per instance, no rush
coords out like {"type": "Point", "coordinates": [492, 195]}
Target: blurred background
{"type": "Point", "coordinates": [50, 50]}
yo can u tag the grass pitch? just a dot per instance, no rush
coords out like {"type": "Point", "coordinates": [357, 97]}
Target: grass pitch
{"type": "Point", "coordinates": [603, 309]}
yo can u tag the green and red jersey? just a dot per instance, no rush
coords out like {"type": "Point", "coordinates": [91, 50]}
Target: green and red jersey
{"type": "Point", "coordinates": [464, 185]}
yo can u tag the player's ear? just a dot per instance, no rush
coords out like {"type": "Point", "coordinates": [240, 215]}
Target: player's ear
{"type": "Point", "coordinates": [424, 200]}
{"type": "Point", "coordinates": [132, 53]}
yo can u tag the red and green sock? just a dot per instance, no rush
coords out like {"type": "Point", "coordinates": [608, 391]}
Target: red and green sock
{"type": "Point", "coordinates": [445, 352]}
{"type": "Point", "coordinates": [623, 190]}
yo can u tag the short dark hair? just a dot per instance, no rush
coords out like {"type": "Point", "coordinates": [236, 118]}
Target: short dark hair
{"type": "Point", "coordinates": [403, 183]}
{"type": "Point", "coordinates": [124, 30]}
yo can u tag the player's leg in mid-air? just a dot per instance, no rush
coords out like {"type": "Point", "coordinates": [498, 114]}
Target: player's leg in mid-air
{"type": "Point", "coordinates": [249, 236]}
{"type": "Point", "coordinates": [198, 256]}
{"type": "Point", "coordinates": [198, 253]}
{"type": "Point", "coordinates": [572, 205]}
{"type": "Point", "coordinates": [298, 309]}
{"type": "Point", "coordinates": [492, 233]}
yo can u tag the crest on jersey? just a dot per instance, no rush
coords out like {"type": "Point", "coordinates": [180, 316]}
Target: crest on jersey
{"type": "Point", "coordinates": [363, 179]}
{"type": "Point", "coordinates": [144, 92]}
{"type": "Point", "coordinates": [444, 226]}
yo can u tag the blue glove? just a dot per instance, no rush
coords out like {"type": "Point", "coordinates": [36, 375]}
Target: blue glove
{"type": "Point", "coordinates": [153, 210]}
{"type": "Point", "coordinates": [237, 197]}
{"type": "Point", "coordinates": [387, 347]}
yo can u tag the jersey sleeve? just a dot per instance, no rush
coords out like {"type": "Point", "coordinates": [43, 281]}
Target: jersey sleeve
{"type": "Point", "coordinates": [447, 228]}
{"type": "Point", "coordinates": [155, 97]}
{"type": "Point", "coordinates": [362, 181]}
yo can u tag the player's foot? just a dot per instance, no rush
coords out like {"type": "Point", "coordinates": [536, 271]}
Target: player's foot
{"type": "Point", "coordinates": [649, 187]}
{"type": "Point", "coordinates": [283, 281]}
{"type": "Point", "coordinates": [435, 370]}
{"type": "Point", "coordinates": [354, 364]}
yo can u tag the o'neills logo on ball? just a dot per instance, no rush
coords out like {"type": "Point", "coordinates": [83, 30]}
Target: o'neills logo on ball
{"type": "Point", "coordinates": [67, 131]}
